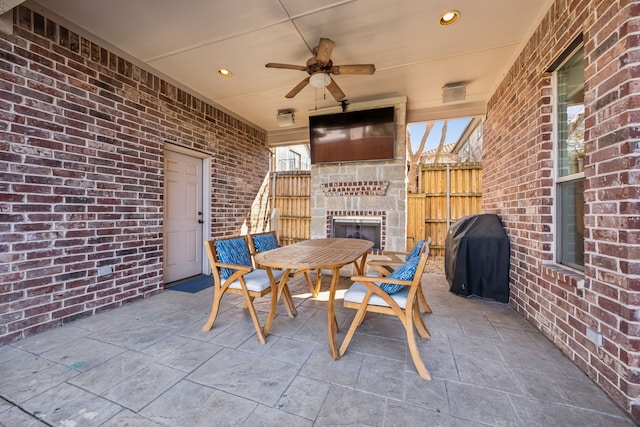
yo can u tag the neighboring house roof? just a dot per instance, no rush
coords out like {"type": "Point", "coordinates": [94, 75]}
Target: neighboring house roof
{"type": "Point", "coordinates": [447, 148]}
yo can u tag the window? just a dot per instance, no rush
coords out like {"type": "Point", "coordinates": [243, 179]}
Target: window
{"type": "Point", "coordinates": [569, 107]}
{"type": "Point", "coordinates": [292, 158]}
{"type": "Point", "coordinates": [295, 160]}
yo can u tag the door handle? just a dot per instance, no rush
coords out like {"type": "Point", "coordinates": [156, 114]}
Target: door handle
{"type": "Point", "coordinates": [200, 221]}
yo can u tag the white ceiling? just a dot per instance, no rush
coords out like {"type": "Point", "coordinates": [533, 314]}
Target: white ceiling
{"type": "Point", "coordinates": [187, 41]}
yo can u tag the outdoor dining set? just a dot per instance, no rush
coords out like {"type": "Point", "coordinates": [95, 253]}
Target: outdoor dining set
{"type": "Point", "coordinates": [255, 265]}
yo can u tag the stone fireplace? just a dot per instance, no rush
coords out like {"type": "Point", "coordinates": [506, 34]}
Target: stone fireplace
{"type": "Point", "coordinates": [363, 199]}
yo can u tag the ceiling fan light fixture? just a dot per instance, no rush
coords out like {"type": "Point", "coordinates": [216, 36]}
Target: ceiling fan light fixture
{"type": "Point", "coordinates": [224, 72]}
{"type": "Point", "coordinates": [320, 68]}
{"type": "Point", "coordinates": [319, 80]}
{"type": "Point", "coordinates": [450, 17]}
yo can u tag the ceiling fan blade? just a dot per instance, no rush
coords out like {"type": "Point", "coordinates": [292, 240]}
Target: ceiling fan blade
{"type": "Point", "coordinates": [293, 92]}
{"type": "Point", "coordinates": [285, 66]}
{"type": "Point", "coordinates": [325, 47]}
{"type": "Point", "coordinates": [334, 90]}
{"type": "Point", "coordinates": [354, 69]}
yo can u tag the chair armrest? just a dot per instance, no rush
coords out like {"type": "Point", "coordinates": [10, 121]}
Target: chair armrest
{"type": "Point", "coordinates": [239, 271]}
{"type": "Point", "coordinates": [238, 267]}
{"type": "Point", "coordinates": [394, 255]}
{"type": "Point", "coordinates": [384, 267]}
{"type": "Point", "coordinates": [383, 262]}
{"type": "Point", "coordinates": [372, 279]}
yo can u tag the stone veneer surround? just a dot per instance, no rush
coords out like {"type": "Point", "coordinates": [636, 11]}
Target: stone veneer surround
{"type": "Point", "coordinates": [360, 188]}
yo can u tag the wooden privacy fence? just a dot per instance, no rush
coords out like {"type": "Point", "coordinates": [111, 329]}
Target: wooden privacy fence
{"type": "Point", "coordinates": [291, 195]}
{"type": "Point", "coordinates": [446, 194]}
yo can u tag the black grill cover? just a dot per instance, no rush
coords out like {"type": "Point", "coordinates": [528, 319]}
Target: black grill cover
{"type": "Point", "coordinates": [476, 257]}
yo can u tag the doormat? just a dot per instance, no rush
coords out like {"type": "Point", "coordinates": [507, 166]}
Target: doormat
{"type": "Point", "coordinates": [192, 284]}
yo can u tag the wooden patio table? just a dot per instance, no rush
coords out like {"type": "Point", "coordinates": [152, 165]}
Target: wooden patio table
{"type": "Point", "coordinates": [318, 254]}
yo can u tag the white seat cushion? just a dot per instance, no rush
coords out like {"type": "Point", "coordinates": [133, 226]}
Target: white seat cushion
{"type": "Point", "coordinates": [356, 293]}
{"type": "Point", "coordinates": [257, 280]}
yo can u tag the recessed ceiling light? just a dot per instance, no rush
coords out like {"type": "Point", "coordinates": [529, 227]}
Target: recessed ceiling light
{"type": "Point", "coordinates": [449, 17]}
{"type": "Point", "coordinates": [224, 72]}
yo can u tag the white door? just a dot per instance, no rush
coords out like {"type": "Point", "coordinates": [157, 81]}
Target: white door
{"type": "Point", "coordinates": [183, 216]}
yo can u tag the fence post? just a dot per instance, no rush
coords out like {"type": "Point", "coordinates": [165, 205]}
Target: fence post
{"type": "Point", "coordinates": [448, 177]}
{"type": "Point", "coordinates": [275, 227]}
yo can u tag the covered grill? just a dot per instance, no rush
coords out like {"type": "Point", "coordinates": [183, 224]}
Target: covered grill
{"type": "Point", "coordinates": [476, 258]}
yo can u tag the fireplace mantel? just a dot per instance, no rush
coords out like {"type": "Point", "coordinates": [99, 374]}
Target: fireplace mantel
{"type": "Point", "coordinates": [355, 188]}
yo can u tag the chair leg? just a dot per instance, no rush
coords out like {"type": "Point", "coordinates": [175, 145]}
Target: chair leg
{"type": "Point", "coordinates": [413, 348]}
{"type": "Point", "coordinates": [423, 301]}
{"type": "Point", "coordinates": [247, 305]}
{"type": "Point", "coordinates": [272, 309]}
{"type": "Point", "coordinates": [423, 331]}
{"type": "Point", "coordinates": [256, 321]}
{"type": "Point", "coordinates": [217, 296]}
{"type": "Point", "coordinates": [357, 321]}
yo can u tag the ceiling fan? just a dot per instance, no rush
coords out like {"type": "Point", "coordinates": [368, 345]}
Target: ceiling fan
{"type": "Point", "coordinates": [320, 67]}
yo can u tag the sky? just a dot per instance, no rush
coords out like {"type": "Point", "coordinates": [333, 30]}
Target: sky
{"type": "Point", "coordinates": [455, 127]}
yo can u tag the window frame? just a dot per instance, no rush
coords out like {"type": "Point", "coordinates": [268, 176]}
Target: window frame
{"type": "Point", "coordinates": [560, 180]}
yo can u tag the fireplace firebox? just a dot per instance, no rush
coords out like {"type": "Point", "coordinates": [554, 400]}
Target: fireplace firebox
{"type": "Point", "coordinates": [358, 227]}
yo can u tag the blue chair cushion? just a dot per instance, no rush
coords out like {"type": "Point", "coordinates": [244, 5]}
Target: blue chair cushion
{"type": "Point", "coordinates": [232, 251]}
{"type": "Point", "coordinates": [415, 251]}
{"type": "Point", "coordinates": [406, 272]}
{"type": "Point", "coordinates": [265, 242]}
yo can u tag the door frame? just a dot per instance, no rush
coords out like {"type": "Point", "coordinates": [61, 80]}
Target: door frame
{"type": "Point", "coordinates": [206, 197]}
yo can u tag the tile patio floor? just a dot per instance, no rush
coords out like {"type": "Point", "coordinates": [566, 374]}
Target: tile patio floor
{"type": "Point", "coordinates": [149, 364]}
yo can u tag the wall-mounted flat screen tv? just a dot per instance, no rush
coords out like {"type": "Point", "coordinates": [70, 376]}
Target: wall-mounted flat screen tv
{"type": "Point", "coordinates": [352, 136]}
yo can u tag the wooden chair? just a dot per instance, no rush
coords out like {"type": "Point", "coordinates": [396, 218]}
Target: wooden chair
{"type": "Point", "coordinates": [366, 294]}
{"type": "Point", "coordinates": [260, 242]}
{"type": "Point", "coordinates": [395, 259]}
{"type": "Point", "coordinates": [233, 273]}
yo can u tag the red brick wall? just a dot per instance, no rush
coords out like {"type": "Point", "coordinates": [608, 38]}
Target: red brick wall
{"type": "Point", "coordinates": [82, 135]}
{"type": "Point", "coordinates": [518, 185]}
